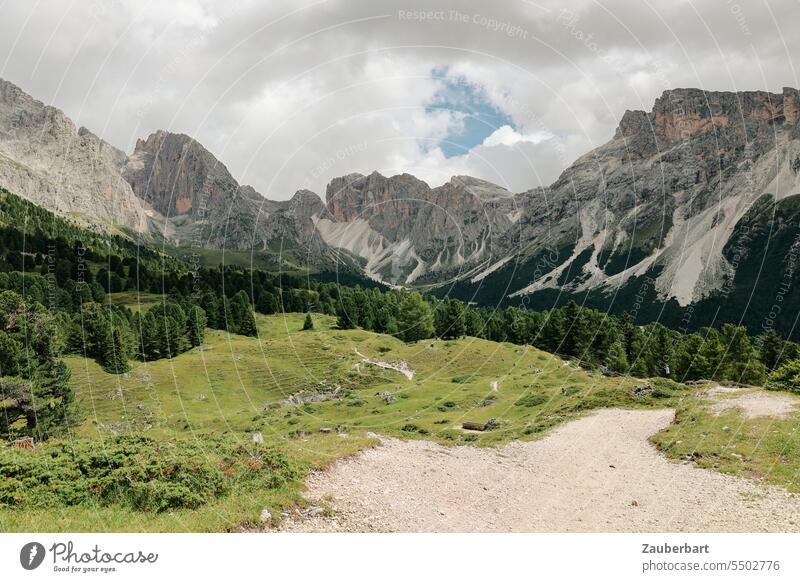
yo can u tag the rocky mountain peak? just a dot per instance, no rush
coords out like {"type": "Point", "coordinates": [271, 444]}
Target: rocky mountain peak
{"type": "Point", "coordinates": [481, 189]}
{"type": "Point", "coordinates": [791, 105]}
{"type": "Point", "coordinates": [633, 123]}
{"type": "Point", "coordinates": [176, 175]}
{"type": "Point", "coordinates": [307, 204]}
{"type": "Point", "coordinates": [45, 158]}
{"type": "Point", "coordinates": [682, 114]}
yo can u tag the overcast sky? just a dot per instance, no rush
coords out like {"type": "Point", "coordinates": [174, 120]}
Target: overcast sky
{"type": "Point", "coordinates": [291, 93]}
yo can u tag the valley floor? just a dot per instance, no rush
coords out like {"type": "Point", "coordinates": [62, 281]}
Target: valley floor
{"type": "Point", "coordinates": [595, 474]}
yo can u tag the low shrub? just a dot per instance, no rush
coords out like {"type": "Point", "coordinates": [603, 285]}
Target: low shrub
{"type": "Point", "coordinates": [532, 400]}
{"type": "Point", "coordinates": [786, 377]}
{"type": "Point", "coordinates": [137, 472]}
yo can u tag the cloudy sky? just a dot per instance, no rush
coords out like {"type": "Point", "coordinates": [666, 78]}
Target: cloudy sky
{"type": "Point", "coordinates": [291, 93]}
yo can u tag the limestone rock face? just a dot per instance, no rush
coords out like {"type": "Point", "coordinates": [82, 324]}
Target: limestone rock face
{"type": "Point", "coordinates": [200, 204]}
{"type": "Point", "coordinates": [408, 231]}
{"type": "Point", "coordinates": [665, 194]}
{"type": "Point", "coordinates": [661, 198]}
{"type": "Point", "coordinates": [170, 184]}
{"type": "Point", "coordinates": [49, 161]}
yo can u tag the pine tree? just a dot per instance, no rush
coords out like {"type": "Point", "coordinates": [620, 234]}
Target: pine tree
{"type": "Point", "coordinates": [115, 352]}
{"type": "Point", "coordinates": [308, 324]}
{"type": "Point", "coordinates": [150, 342]}
{"type": "Point", "coordinates": [196, 326]}
{"type": "Point", "coordinates": [450, 319]}
{"type": "Point", "coordinates": [267, 303]}
{"type": "Point", "coordinates": [247, 324]}
{"type": "Point", "coordinates": [51, 407]}
{"type": "Point", "coordinates": [347, 308]}
{"type": "Point", "coordinates": [711, 355]}
{"type": "Point", "coordinates": [617, 359]}
{"type": "Point", "coordinates": [211, 306]}
{"type": "Point", "coordinates": [662, 350]}
{"type": "Point", "coordinates": [473, 322]}
{"type": "Point", "coordinates": [689, 362]}
{"type": "Point", "coordinates": [15, 404]}
{"type": "Point", "coordinates": [740, 363]}
{"type": "Point", "coordinates": [771, 348]}
{"type": "Point", "coordinates": [640, 357]}
{"type": "Point", "coordinates": [10, 355]}
{"type": "Point", "coordinates": [786, 377]}
{"type": "Point", "coordinates": [553, 331]}
{"type": "Point", "coordinates": [628, 328]}
{"type": "Point", "coordinates": [415, 317]}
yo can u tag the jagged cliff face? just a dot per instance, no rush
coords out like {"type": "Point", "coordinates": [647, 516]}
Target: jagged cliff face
{"type": "Point", "coordinates": [170, 184]}
{"type": "Point", "coordinates": [49, 161]}
{"type": "Point", "coordinates": [196, 201]}
{"type": "Point", "coordinates": [660, 200]}
{"type": "Point", "coordinates": [663, 201]}
{"type": "Point", "coordinates": [665, 194]}
{"type": "Point", "coordinates": [404, 230]}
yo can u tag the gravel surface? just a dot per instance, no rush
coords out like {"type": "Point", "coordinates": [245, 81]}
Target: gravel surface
{"type": "Point", "coordinates": [759, 404]}
{"type": "Point", "coordinates": [598, 473]}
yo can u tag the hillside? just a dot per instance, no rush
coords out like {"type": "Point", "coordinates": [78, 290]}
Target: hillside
{"type": "Point", "coordinates": [239, 377]}
{"type": "Point", "coordinates": [234, 386]}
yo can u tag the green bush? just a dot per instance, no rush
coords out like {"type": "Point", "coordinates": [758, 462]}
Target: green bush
{"type": "Point", "coordinates": [136, 472]}
{"type": "Point", "coordinates": [786, 377]}
{"type": "Point", "coordinates": [532, 400]}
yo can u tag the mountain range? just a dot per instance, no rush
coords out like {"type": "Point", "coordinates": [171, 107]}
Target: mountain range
{"type": "Point", "coordinates": [688, 213]}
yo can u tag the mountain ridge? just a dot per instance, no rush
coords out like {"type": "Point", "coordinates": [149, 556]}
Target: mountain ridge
{"type": "Point", "coordinates": [661, 199]}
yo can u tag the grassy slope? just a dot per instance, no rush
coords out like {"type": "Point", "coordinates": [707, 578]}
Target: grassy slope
{"type": "Point", "coordinates": [134, 300]}
{"type": "Point", "coordinates": [222, 388]}
{"type": "Point", "coordinates": [765, 449]}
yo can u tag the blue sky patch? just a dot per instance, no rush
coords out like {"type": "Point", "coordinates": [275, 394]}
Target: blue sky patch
{"type": "Point", "coordinates": [481, 118]}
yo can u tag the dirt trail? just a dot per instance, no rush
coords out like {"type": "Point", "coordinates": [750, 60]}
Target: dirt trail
{"type": "Point", "coordinates": [401, 367]}
{"type": "Point", "coordinates": [753, 403]}
{"type": "Point", "coordinates": [598, 473]}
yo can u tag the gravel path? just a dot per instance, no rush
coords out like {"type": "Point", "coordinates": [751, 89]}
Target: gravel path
{"type": "Point", "coordinates": [598, 473]}
{"type": "Point", "coordinates": [758, 404]}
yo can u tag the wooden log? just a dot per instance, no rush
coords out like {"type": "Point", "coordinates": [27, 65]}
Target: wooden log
{"type": "Point", "coordinates": [473, 426]}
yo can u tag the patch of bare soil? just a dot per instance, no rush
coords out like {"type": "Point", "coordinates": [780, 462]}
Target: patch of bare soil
{"type": "Point", "coordinates": [757, 404]}
{"type": "Point", "coordinates": [598, 473]}
{"type": "Point", "coordinates": [722, 390]}
{"type": "Point", "coordinates": [401, 367]}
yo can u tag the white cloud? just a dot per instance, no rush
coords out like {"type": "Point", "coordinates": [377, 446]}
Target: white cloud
{"type": "Point", "coordinates": [289, 95]}
{"type": "Point", "coordinates": [508, 136]}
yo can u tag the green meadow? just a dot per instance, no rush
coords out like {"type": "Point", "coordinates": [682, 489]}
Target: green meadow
{"type": "Point", "coordinates": [345, 393]}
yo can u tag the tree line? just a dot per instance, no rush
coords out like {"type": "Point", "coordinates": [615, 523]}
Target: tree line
{"type": "Point", "coordinates": [615, 343]}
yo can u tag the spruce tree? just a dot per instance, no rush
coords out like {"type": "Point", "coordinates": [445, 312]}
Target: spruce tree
{"type": "Point", "coordinates": [617, 359]}
{"type": "Point", "coordinates": [771, 349]}
{"type": "Point", "coordinates": [308, 324]}
{"type": "Point", "coordinates": [115, 352]}
{"type": "Point", "coordinates": [243, 313]}
{"type": "Point", "coordinates": [347, 308]}
{"type": "Point", "coordinates": [415, 317]}
{"type": "Point", "coordinates": [53, 398]}
{"type": "Point", "coordinates": [196, 326]}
